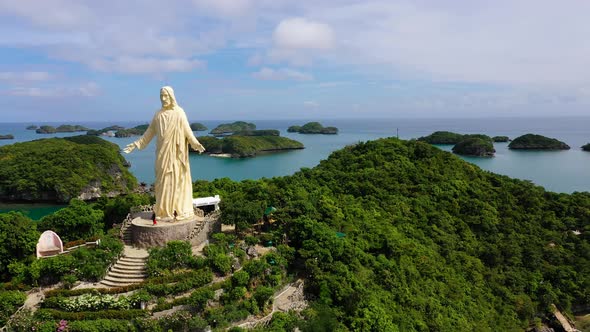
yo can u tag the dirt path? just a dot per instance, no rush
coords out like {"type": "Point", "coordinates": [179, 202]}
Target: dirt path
{"type": "Point", "coordinates": [289, 298]}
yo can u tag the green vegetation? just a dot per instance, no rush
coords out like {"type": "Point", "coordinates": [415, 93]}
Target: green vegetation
{"type": "Point", "coordinates": [59, 169]}
{"type": "Point", "coordinates": [197, 126]}
{"type": "Point", "coordinates": [9, 136]}
{"type": "Point", "coordinates": [247, 146]}
{"type": "Point", "coordinates": [586, 147]}
{"type": "Point", "coordinates": [474, 146]}
{"type": "Point", "coordinates": [18, 237]}
{"type": "Point", "coordinates": [60, 129]}
{"type": "Point", "coordinates": [77, 221]}
{"type": "Point", "coordinates": [264, 132]}
{"type": "Point", "coordinates": [432, 243]}
{"type": "Point", "coordinates": [537, 142]}
{"type": "Point", "coordinates": [228, 128]}
{"type": "Point", "coordinates": [31, 127]}
{"type": "Point", "coordinates": [501, 139]}
{"type": "Point", "coordinates": [10, 301]}
{"type": "Point", "coordinates": [313, 128]}
{"type": "Point", "coordinates": [135, 131]}
{"type": "Point", "coordinates": [442, 137]}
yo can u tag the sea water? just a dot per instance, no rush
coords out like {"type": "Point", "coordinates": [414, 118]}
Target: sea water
{"type": "Point", "coordinates": [559, 171]}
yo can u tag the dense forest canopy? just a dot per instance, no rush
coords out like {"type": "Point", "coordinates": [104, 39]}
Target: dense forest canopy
{"type": "Point", "coordinates": [432, 243]}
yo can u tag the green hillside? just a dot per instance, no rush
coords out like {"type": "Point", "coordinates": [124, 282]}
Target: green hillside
{"type": "Point", "coordinates": [59, 169]}
{"type": "Point", "coordinates": [400, 236]}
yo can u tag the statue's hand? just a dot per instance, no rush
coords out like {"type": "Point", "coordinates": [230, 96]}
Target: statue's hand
{"type": "Point", "coordinates": [201, 149]}
{"type": "Point", "coordinates": [129, 148]}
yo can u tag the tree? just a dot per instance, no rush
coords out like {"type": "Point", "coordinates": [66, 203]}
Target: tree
{"type": "Point", "coordinates": [18, 238]}
{"type": "Point", "coordinates": [75, 222]}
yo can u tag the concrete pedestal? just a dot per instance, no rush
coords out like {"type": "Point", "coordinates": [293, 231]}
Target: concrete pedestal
{"type": "Point", "coordinates": [145, 234]}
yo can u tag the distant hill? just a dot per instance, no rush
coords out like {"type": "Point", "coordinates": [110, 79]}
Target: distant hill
{"type": "Point", "coordinates": [60, 129]}
{"type": "Point", "coordinates": [475, 146]}
{"type": "Point", "coordinates": [501, 139]}
{"type": "Point", "coordinates": [537, 142]}
{"type": "Point", "coordinates": [313, 128]}
{"type": "Point", "coordinates": [228, 128]}
{"type": "Point", "coordinates": [586, 147]}
{"type": "Point", "coordinates": [59, 169]}
{"type": "Point", "coordinates": [247, 146]}
{"type": "Point", "coordinates": [196, 126]}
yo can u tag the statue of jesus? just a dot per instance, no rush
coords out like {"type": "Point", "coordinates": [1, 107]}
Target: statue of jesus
{"type": "Point", "coordinates": [173, 187]}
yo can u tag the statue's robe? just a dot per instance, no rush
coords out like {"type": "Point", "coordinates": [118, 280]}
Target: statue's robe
{"type": "Point", "coordinates": [173, 187]}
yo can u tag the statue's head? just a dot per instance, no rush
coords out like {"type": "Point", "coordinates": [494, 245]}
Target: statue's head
{"type": "Point", "coordinates": [167, 97]}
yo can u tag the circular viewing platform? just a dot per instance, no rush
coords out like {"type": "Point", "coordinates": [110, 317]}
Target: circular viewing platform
{"type": "Point", "coordinates": [145, 234]}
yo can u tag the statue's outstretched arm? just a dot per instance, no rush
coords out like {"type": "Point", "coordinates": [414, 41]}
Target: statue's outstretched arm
{"type": "Point", "coordinates": [144, 140]}
{"type": "Point", "coordinates": [192, 140]}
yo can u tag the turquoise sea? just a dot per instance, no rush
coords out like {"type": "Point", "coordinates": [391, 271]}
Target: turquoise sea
{"type": "Point", "coordinates": [560, 171]}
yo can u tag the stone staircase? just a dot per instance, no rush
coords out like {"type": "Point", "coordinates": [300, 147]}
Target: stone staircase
{"type": "Point", "coordinates": [126, 271]}
{"type": "Point", "coordinates": [127, 236]}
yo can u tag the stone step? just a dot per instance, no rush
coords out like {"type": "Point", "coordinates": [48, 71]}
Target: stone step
{"type": "Point", "coordinates": [115, 283]}
{"type": "Point", "coordinates": [130, 265]}
{"type": "Point", "coordinates": [134, 259]}
{"type": "Point", "coordinates": [126, 275]}
{"type": "Point", "coordinates": [130, 269]}
{"type": "Point", "coordinates": [123, 280]}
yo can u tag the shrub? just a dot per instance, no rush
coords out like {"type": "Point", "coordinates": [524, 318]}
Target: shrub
{"type": "Point", "coordinates": [175, 255]}
{"type": "Point", "coordinates": [92, 315]}
{"type": "Point", "coordinates": [10, 301]}
{"type": "Point", "coordinates": [102, 325]}
{"type": "Point", "coordinates": [198, 299]}
{"type": "Point", "coordinates": [240, 278]}
{"type": "Point", "coordinates": [221, 263]}
{"type": "Point", "coordinates": [263, 295]}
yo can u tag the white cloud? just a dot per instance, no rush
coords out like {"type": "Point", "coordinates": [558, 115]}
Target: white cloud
{"type": "Point", "coordinates": [25, 76]}
{"type": "Point", "coordinates": [89, 89]}
{"type": "Point", "coordinates": [224, 8]}
{"type": "Point", "coordinates": [301, 33]}
{"type": "Point", "coordinates": [281, 74]}
{"type": "Point", "coordinates": [139, 65]}
{"type": "Point", "coordinates": [310, 103]}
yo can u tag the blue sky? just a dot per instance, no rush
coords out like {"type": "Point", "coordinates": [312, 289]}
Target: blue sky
{"type": "Point", "coordinates": [74, 60]}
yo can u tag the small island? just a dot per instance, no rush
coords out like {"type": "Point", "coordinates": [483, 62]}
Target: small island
{"type": "Point", "coordinates": [135, 131]}
{"type": "Point", "coordinates": [442, 137]}
{"type": "Point", "coordinates": [586, 147]}
{"type": "Point", "coordinates": [197, 126]}
{"type": "Point", "coordinates": [500, 139]}
{"type": "Point", "coordinates": [228, 128]}
{"type": "Point", "coordinates": [537, 142]}
{"type": "Point", "coordinates": [313, 128]}
{"type": "Point", "coordinates": [248, 144]}
{"type": "Point", "coordinates": [9, 136]}
{"type": "Point", "coordinates": [60, 129]}
{"type": "Point", "coordinates": [475, 146]}
{"type": "Point", "coordinates": [59, 169]}
{"type": "Point", "coordinates": [104, 131]}
{"type": "Point", "coordinates": [31, 127]}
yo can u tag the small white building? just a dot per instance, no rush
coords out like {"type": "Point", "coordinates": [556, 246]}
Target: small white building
{"type": "Point", "coordinates": [207, 204]}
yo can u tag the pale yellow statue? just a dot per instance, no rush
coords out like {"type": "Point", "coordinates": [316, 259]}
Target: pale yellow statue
{"type": "Point", "coordinates": [173, 187]}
